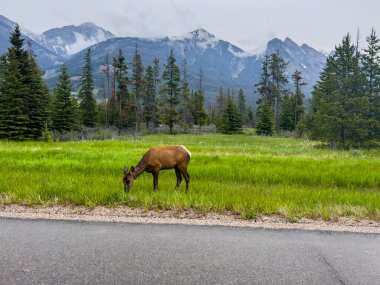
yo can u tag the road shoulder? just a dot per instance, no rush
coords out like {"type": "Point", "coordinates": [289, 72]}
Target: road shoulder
{"type": "Point", "coordinates": [126, 214]}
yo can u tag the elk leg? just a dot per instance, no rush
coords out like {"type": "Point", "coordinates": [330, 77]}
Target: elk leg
{"type": "Point", "coordinates": [186, 176]}
{"type": "Point", "coordinates": [179, 177]}
{"type": "Point", "coordinates": [155, 180]}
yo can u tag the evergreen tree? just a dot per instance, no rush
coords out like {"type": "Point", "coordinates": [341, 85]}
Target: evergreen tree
{"type": "Point", "coordinates": [186, 105]}
{"type": "Point", "coordinates": [265, 116]}
{"type": "Point", "coordinates": [341, 107]}
{"type": "Point", "coordinates": [292, 105]}
{"type": "Point", "coordinates": [220, 105]}
{"type": "Point", "coordinates": [122, 103]}
{"type": "Point", "coordinates": [64, 114]}
{"type": "Point", "coordinates": [87, 102]}
{"type": "Point", "coordinates": [199, 111]}
{"type": "Point", "coordinates": [371, 68]}
{"type": "Point", "coordinates": [170, 92]}
{"type": "Point", "coordinates": [287, 112]}
{"type": "Point", "coordinates": [242, 107]}
{"type": "Point", "coordinates": [299, 97]}
{"type": "Point", "coordinates": [231, 119]}
{"type": "Point", "coordinates": [38, 101]}
{"type": "Point", "coordinates": [263, 86]}
{"type": "Point", "coordinates": [14, 121]}
{"type": "Point", "coordinates": [250, 117]}
{"type": "Point", "coordinates": [277, 68]}
{"type": "Point", "coordinates": [138, 85]}
{"type": "Point", "coordinates": [149, 99]}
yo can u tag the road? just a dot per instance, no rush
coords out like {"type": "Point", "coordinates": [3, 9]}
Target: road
{"type": "Point", "coordinates": [61, 252]}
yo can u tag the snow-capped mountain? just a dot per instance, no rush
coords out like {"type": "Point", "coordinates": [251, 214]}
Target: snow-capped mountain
{"type": "Point", "coordinates": [223, 64]}
{"type": "Point", "coordinates": [69, 40]}
{"type": "Point", "coordinates": [45, 57]}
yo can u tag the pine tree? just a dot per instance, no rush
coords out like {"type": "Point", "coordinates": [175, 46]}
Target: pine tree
{"type": "Point", "coordinates": [170, 92]}
{"type": "Point", "coordinates": [38, 101]}
{"type": "Point", "coordinates": [371, 67]}
{"type": "Point", "coordinates": [292, 105]}
{"type": "Point", "coordinates": [287, 112]}
{"type": "Point", "coordinates": [299, 97]}
{"type": "Point", "coordinates": [265, 124]}
{"type": "Point", "coordinates": [126, 107]}
{"type": "Point", "coordinates": [199, 111]}
{"type": "Point", "coordinates": [31, 92]}
{"type": "Point", "coordinates": [277, 68]}
{"type": "Point", "coordinates": [250, 117]}
{"type": "Point", "coordinates": [186, 118]}
{"type": "Point", "coordinates": [263, 86]}
{"type": "Point", "coordinates": [87, 102]}
{"type": "Point", "coordinates": [231, 119]}
{"type": "Point", "coordinates": [242, 107]}
{"type": "Point", "coordinates": [341, 107]}
{"type": "Point", "coordinates": [138, 85]}
{"type": "Point", "coordinates": [64, 113]}
{"type": "Point", "coordinates": [220, 105]}
{"type": "Point", "coordinates": [149, 99]}
{"type": "Point", "coordinates": [14, 121]}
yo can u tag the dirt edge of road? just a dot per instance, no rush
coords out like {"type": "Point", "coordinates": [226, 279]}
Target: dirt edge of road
{"type": "Point", "coordinates": [135, 215]}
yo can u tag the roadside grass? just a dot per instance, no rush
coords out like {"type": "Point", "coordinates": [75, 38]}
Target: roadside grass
{"type": "Point", "coordinates": [245, 175]}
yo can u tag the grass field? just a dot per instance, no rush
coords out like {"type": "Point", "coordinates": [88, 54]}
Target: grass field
{"type": "Point", "coordinates": [248, 175]}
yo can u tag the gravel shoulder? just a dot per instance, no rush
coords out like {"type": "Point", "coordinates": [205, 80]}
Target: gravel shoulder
{"type": "Point", "coordinates": [135, 215]}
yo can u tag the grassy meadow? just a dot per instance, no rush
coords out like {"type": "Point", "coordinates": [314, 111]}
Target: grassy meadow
{"type": "Point", "coordinates": [244, 174]}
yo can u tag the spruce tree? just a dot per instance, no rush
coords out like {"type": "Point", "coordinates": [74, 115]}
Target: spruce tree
{"type": "Point", "coordinates": [38, 101]}
{"type": "Point", "coordinates": [14, 121]}
{"type": "Point", "coordinates": [64, 113]}
{"type": "Point", "coordinates": [231, 119]}
{"type": "Point", "coordinates": [170, 92]}
{"type": "Point", "coordinates": [287, 112]}
{"type": "Point", "coordinates": [87, 103]}
{"type": "Point", "coordinates": [371, 67]}
{"type": "Point", "coordinates": [242, 106]}
{"type": "Point", "coordinates": [138, 85]}
{"type": "Point", "coordinates": [340, 104]}
{"type": "Point", "coordinates": [265, 117]}
{"type": "Point", "coordinates": [220, 105]}
{"type": "Point", "coordinates": [277, 68]}
{"type": "Point", "coordinates": [198, 107]}
{"type": "Point", "coordinates": [125, 105]}
{"type": "Point", "coordinates": [186, 117]}
{"type": "Point", "coordinates": [299, 97]}
{"type": "Point", "coordinates": [149, 99]}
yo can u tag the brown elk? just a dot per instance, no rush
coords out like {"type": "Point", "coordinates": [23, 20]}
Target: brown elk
{"type": "Point", "coordinates": [163, 157]}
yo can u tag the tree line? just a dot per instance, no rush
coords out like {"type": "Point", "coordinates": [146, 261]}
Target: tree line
{"type": "Point", "coordinates": [343, 112]}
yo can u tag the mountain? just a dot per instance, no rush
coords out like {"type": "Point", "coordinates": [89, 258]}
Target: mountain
{"type": "Point", "coordinates": [223, 64]}
{"type": "Point", "coordinates": [45, 57]}
{"type": "Point", "coordinates": [69, 40]}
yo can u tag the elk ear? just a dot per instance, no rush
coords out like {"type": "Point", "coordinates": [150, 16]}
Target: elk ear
{"type": "Point", "coordinates": [125, 170]}
{"type": "Point", "coordinates": [132, 168]}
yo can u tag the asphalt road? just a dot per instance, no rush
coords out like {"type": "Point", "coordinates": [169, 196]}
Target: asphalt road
{"type": "Point", "coordinates": [57, 252]}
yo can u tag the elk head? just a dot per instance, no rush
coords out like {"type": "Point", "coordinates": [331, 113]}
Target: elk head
{"type": "Point", "coordinates": [128, 178]}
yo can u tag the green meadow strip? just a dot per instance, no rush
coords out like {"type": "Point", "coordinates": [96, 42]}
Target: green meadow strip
{"type": "Point", "coordinates": [246, 175]}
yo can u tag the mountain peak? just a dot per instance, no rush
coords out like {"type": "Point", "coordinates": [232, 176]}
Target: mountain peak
{"type": "Point", "coordinates": [202, 34]}
{"type": "Point", "coordinates": [88, 24]}
{"type": "Point", "coordinates": [289, 41]}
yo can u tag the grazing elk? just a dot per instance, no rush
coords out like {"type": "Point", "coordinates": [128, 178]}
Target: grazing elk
{"type": "Point", "coordinates": [163, 157]}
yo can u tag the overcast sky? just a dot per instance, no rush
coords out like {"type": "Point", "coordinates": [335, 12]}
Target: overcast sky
{"type": "Point", "coordinates": [248, 24]}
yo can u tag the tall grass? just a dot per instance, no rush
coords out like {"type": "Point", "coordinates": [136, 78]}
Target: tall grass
{"type": "Point", "coordinates": [246, 175]}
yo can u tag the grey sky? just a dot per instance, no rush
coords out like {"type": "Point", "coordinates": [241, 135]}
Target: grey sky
{"type": "Point", "coordinates": [247, 23]}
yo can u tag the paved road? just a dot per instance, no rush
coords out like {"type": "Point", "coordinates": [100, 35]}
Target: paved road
{"type": "Point", "coordinates": [57, 252]}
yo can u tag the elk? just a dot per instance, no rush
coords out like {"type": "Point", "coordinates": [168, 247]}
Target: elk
{"type": "Point", "coordinates": [155, 159]}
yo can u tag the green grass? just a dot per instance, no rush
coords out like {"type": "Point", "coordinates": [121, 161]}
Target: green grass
{"type": "Point", "coordinates": [243, 174]}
